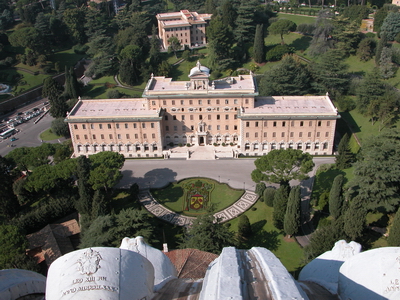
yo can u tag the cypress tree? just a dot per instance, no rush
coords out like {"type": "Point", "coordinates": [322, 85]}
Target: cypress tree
{"type": "Point", "coordinates": [244, 228]}
{"type": "Point", "coordinates": [354, 219]}
{"type": "Point", "coordinates": [154, 54]}
{"type": "Point", "coordinates": [344, 156]}
{"type": "Point", "coordinates": [381, 44]}
{"type": "Point", "coordinates": [99, 205]}
{"type": "Point", "coordinates": [269, 194]}
{"type": "Point", "coordinates": [84, 204]}
{"type": "Point", "coordinates": [292, 219]}
{"type": "Point", "coordinates": [394, 235]}
{"type": "Point", "coordinates": [259, 53]}
{"type": "Point", "coordinates": [280, 204]}
{"type": "Point", "coordinates": [336, 197]}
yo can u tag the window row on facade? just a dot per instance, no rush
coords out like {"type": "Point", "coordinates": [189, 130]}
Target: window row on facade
{"type": "Point", "coordinates": [200, 117]}
{"type": "Point", "coordinates": [117, 126]}
{"type": "Point", "coordinates": [209, 127]}
{"type": "Point", "coordinates": [200, 102]}
{"type": "Point", "coordinates": [286, 123]}
{"type": "Point", "coordinates": [283, 134]}
{"type": "Point", "coordinates": [120, 148]}
{"type": "Point", "coordinates": [272, 146]}
{"type": "Point", "coordinates": [111, 136]}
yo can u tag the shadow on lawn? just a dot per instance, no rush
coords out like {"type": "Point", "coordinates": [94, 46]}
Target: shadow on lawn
{"type": "Point", "coordinates": [262, 238]}
{"type": "Point", "coordinates": [302, 43]}
{"type": "Point", "coordinates": [350, 121]}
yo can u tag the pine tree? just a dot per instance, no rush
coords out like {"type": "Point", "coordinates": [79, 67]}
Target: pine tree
{"type": "Point", "coordinates": [52, 90]}
{"type": "Point", "coordinates": [259, 53]}
{"type": "Point", "coordinates": [394, 234]}
{"type": "Point", "coordinates": [210, 7]}
{"type": "Point", "coordinates": [228, 13]}
{"type": "Point", "coordinates": [354, 218]}
{"type": "Point", "coordinates": [336, 197]}
{"type": "Point", "coordinates": [154, 54]}
{"type": "Point", "coordinates": [245, 27]}
{"type": "Point", "coordinates": [386, 66]}
{"type": "Point", "coordinates": [269, 195]}
{"type": "Point", "coordinates": [71, 89]}
{"type": "Point", "coordinates": [344, 157]}
{"type": "Point", "coordinates": [99, 205]}
{"type": "Point", "coordinates": [292, 220]}
{"type": "Point", "coordinates": [280, 204]}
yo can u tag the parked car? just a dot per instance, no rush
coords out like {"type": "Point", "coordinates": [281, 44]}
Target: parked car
{"type": "Point", "coordinates": [13, 139]}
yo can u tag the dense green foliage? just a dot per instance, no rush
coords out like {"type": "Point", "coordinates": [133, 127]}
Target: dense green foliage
{"type": "Point", "coordinates": [244, 228]}
{"type": "Point", "coordinates": [344, 157]}
{"type": "Point", "coordinates": [258, 48]}
{"type": "Point", "coordinates": [354, 219]}
{"type": "Point", "coordinates": [282, 27]}
{"type": "Point", "coordinates": [269, 195]}
{"type": "Point", "coordinates": [394, 234]}
{"type": "Point", "coordinates": [207, 235]}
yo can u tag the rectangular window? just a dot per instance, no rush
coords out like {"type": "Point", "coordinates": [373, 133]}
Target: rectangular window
{"type": "Point", "coordinates": [118, 136]}
{"type": "Point", "coordinates": [246, 101]}
{"type": "Point", "coordinates": [85, 136]}
{"type": "Point", "coordinates": [136, 136]}
{"type": "Point", "coordinates": [102, 136]}
{"type": "Point", "coordinates": [153, 102]}
{"type": "Point", "coordinates": [318, 134]}
{"type": "Point", "coordinates": [91, 126]}
{"type": "Point", "coordinates": [173, 117]}
{"type": "Point", "coordinates": [167, 128]}
{"type": "Point", "coordinates": [235, 117]}
{"type": "Point", "coordinates": [226, 101]}
{"type": "Point", "coordinates": [226, 117]}
{"type": "Point", "coordinates": [191, 127]}
{"type": "Point", "coordinates": [83, 126]}
{"type": "Point", "coordinates": [300, 134]}
{"type": "Point", "coordinates": [173, 102]}
{"type": "Point", "coordinates": [110, 136]}
{"type": "Point", "coordinates": [109, 126]}
{"type": "Point", "coordinates": [309, 134]}
{"type": "Point", "coordinates": [127, 136]}
{"type": "Point", "coordinates": [256, 134]}
{"type": "Point", "coordinates": [183, 118]}
{"type": "Point", "coordinates": [200, 117]}
{"type": "Point", "coordinates": [292, 134]}
{"type": "Point", "coordinates": [209, 127]}
{"type": "Point", "coordinates": [328, 123]}
{"type": "Point", "coordinates": [126, 125]}
{"type": "Point", "coordinates": [283, 124]}
{"type": "Point", "coordinates": [209, 117]}
{"type": "Point", "coordinates": [166, 118]}
{"type": "Point", "coordinates": [282, 134]}
{"type": "Point", "coordinates": [319, 123]}
{"type": "Point", "coordinates": [265, 124]}
{"type": "Point", "coordinates": [183, 128]}
{"type": "Point", "coordinates": [190, 102]}
{"type": "Point", "coordinates": [143, 125]}
{"type": "Point", "coordinates": [218, 127]}
{"type": "Point", "coordinates": [265, 134]}
{"type": "Point", "coordinates": [191, 117]}
{"type": "Point", "coordinates": [234, 127]}
{"type": "Point", "coordinates": [217, 101]}
{"type": "Point", "coordinates": [274, 134]}
{"type": "Point", "coordinates": [301, 123]}
{"type": "Point", "coordinates": [117, 126]}
{"type": "Point", "coordinates": [153, 135]}
{"type": "Point", "coordinates": [274, 124]}
{"type": "Point", "coordinates": [200, 102]}
{"type": "Point", "coordinates": [182, 102]}
{"type": "Point", "coordinates": [256, 124]}
{"type": "Point", "coordinates": [247, 134]}
{"type": "Point", "coordinates": [175, 128]}
{"type": "Point", "coordinates": [75, 126]}
{"type": "Point", "coordinates": [326, 134]}
{"type": "Point", "coordinates": [164, 102]}
{"type": "Point", "coordinates": [235, 101]}
{"type": "Point", "coordinates": [94, 136]}
{"type": "Point", "coordinates": [208, 102]}
{"type": "Point", "coordinates": [247, 124]}
{"type": "Point", "coordinates": [134, 125]}
{"type": "Point", "coordinates": [310, 123]}
{"type": "Point", "coordinates": [218, 117]}
{"type": "Point", "coordinates": [226, 127]}
{"type": "Point", "coordinates": [144, 136]}
{"type": "Point", "coordinates": [292, 124]}
{"type": "Point", "coordinates": [77, 136]}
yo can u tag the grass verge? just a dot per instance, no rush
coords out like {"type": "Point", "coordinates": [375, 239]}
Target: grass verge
{"type": "Point", "coordinates": [48, 135]}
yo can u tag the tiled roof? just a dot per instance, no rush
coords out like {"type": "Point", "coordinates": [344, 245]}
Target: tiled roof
{"type": "Point", "coordinates": [191, 263]}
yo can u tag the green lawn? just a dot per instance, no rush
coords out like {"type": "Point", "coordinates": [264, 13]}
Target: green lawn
{"type": "Point", "coordinates": [66, 58]}
{"type": "Point", "coordinates": [297, 19]}
{"type": "Point", "coordinates": [174, 195]}
{"type": "Point", "coordinates": [47, 135]}
{"type": "Point", "coordinates": [266, 235]}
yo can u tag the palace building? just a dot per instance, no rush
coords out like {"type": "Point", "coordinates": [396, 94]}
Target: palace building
{"type": "Point", "coordinates": [188, 27]}
{"type": "Point", "coordinates": [226, 112]}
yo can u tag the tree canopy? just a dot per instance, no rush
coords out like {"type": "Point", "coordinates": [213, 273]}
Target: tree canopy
{"type": "Point", "coordinates": [282, 165]}
{"type": "Point", "coordinates": [282, 27]}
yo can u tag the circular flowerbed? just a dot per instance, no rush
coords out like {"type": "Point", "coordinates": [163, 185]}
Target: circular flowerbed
{"type": "Point", "coordinates": [196, 196]}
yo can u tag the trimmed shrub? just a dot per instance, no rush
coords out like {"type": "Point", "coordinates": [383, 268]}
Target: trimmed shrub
{"type": "Point", "coordinates": [260, 188]}
{"type": "Point", "coordinates": [268, 195]}
{"type": "Point", "coordinates": [277, 52]}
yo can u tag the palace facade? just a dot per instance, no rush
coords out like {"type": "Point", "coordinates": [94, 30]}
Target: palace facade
{"type": "Point", "coordinates": [188, 27]}
{"type": "Point", "coordinates": [203, 112]}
